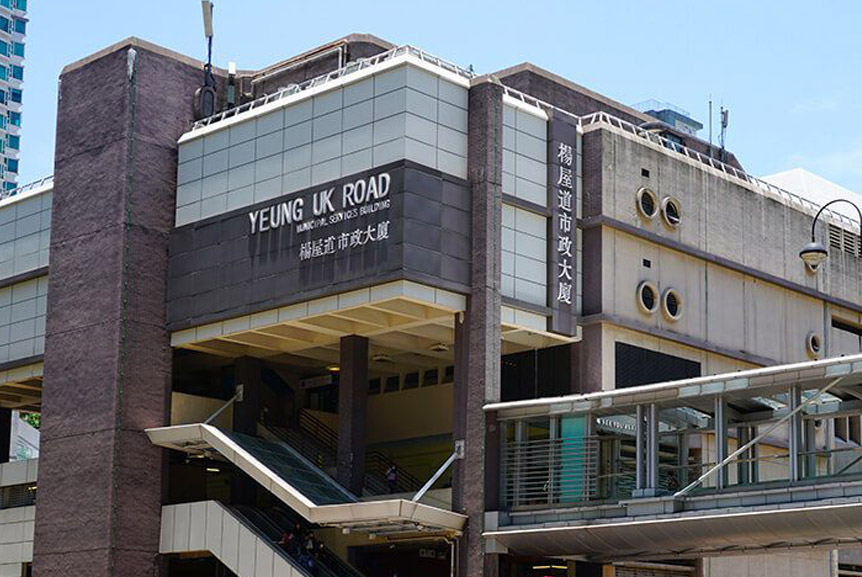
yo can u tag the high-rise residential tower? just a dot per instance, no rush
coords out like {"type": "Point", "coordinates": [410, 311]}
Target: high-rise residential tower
{"type": "Point", "coordinates": [13, 28]}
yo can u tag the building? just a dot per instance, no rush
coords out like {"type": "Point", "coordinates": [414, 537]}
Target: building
{"type": "Point", "coordinates": [13, 29]}
{"type": "Point", "coordinates": [387, 317]}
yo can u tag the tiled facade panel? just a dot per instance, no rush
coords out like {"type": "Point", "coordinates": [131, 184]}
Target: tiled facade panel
{"type": "Point", "coordinates": [525, 164]}
{"type": "Point", "coordinates": [525, 255]}
{"type": "Point", "coordinates": [219, 270]}
{"type": "Point", "coordinates": [25, 233]}
{"type": "Point", "coordinates": [22, 319]}
{"type": "Point", "coordinates": [403, 113]}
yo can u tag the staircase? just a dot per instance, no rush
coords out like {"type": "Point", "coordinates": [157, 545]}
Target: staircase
{"type": "Point", "coordinates": [318, 443]}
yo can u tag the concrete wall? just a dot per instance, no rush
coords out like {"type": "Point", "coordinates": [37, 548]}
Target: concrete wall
{"type": "Point", "coordinates": [735, 312]}
{"type": "Point", "coordinates": [401, 113]}
{"type": "Point", "coordinates": [720, 216]}
{"type": "Point", "coordinates": [796, 564]}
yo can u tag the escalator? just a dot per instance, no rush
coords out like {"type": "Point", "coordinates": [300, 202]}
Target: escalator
{"type": "Point", "coordinates": [306, 489]}
{"type": "Point", "coordinates": [243, 539]}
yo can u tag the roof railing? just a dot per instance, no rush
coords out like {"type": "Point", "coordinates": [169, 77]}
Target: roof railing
{"type": "Point", "coordinates": [766, 188]}
{"type": "Point", "coordinates": [346, 70]}
{"type": "Point", "coordinates": [44, 181]}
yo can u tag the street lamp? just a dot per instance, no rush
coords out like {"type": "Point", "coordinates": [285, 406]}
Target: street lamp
{"type": "Point", "coordinates": [814, 253]}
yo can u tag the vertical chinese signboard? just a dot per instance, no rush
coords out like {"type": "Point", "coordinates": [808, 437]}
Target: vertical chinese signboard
{"type": "Point", "coordinates": [562, 247]}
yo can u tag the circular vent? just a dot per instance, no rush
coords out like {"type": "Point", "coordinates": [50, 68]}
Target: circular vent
{"type": "Point", "coordinates": [646, 202]}
{"type": "Point", "coordinates": [670, 210]}
{"type": "Point", "coordinates": [672, 304]}
{"type": "Point", "coordinates": [647, 297]}
{"type": "Point", "coordinates": [814, 345]}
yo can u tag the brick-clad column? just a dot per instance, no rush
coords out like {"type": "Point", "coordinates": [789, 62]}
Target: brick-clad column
{"type": "Point", "coordinates": [477, 372]}
{"type": "Point", "coordinates": [352, 402]}
{"type": "Point", "coordinates": [107, 351]}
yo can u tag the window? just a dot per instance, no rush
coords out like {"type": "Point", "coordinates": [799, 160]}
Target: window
{"type": "Point", "coordinates": [6, 3]}
{"type": "Point", "coordinates": [2, 146]}
{"type": "Point", "coordinates": [374, 386]}
{"type": "Point", "coordinates": [449, 374]}
{"type": "Point", "coordinates": [21, 5]}
{"type": "Point", "coordinates": [646, 202]}
{"type": "Point", "coordinates": [3, 73]}
{"type": "Point", "coordinates": [430, 377]}
{"type": "Point", "coordinates": [18, 49]}
{"type": "Point", "coordinates": [647, 297]}
{"type": "Point", "coordinates": [14, 141]}
{"type": "Point", "coordinates": [411, 380]}
{"type": "Point", "coordinates": [672, 304]}
{"type": "Point", "coordinates": [10, 185]}
{"type": "Point", "coordinates": [4, 24]}
{"type": "Point", "coordinates": [20, 26]}
{"type": "Point", "coordinates": [2, 96]}
{"type": "Point", "coordinates": [4, 48]}
{"type": "Point", "coordinates": [12, 164]}
{"type": "Point", "coordinates": [671, 211]}
{"type": "Point", "coordinates": [391, 384]}
{"type": "Point", "coordinates": [17, 72]}
{"type": "Point", "coordinates": [16, 95]}
{"type": "Point", "coordinates": [2, 121]}
{"type": "Point", "coordinates": [14, 118]}
{"type": "Point", "coordinates": [846, 339]}
{"type": "Point", "coordinates": [638, 366]}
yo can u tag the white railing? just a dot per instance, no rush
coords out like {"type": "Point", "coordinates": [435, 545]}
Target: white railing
{"type": "Point", "coordinates": [44, 181]}
{"type": "Point", "coordinates": [603, 118]}
{"type": "Point", "coordinates": [346, 70]}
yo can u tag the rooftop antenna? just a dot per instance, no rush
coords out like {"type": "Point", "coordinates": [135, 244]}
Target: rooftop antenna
{"type": "Point", "coordinates": [725, 113]}
{"type": "Point", "coordinates": [710, 125]}
{"type": "Point", "coordinates": [205, 96]}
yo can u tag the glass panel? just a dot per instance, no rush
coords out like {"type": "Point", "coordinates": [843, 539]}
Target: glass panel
{"type": "Point", "coordinates": [286, 464]}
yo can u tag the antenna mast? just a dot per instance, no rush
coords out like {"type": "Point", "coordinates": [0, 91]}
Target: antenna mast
{"type": "Point", "coordinates": [725, 118]}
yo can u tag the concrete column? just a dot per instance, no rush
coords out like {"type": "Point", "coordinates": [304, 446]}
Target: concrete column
{"type": "Point", "coordinates": [720, 422]}
{"type": "Point", "coordinates": [352, 401]}
{"type": "Point", "coordinates": [477, 372]}
{"type": "Point", "coordinates": [108, 354]}
{"type": "Point", "coordinates": [246, 414]}
{"type": "Point", "coordinates": [652, 448]}
{"type": "Point", "coordinates": [640, 442]}
{"type": "Point", "coordinates": [5, 435]}
{"type": "Point", "coordinates": [795, 433]}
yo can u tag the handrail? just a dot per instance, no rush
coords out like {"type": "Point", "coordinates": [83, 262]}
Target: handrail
{"type": "Point", "coordinates": [345, 70]}
{"type": "Point", "coordinates": [26, 187]}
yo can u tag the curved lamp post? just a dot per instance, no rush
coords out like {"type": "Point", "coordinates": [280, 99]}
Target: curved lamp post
{"type": "Point", "coordinates": [814, 253]}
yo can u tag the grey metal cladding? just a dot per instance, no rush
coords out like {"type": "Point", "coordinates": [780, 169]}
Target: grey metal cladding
{"type": "Point", "coordinates": [219, 270]}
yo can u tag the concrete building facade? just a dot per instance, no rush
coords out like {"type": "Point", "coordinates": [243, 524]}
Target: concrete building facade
{"type": "Point", "coordinates": [387, 317]}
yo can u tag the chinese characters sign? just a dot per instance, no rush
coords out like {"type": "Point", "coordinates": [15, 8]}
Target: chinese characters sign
{"type": "Point", "coordinates": [562, 250]}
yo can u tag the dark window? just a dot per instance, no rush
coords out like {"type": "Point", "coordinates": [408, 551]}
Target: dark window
{"type": "Point", "coordinates": [20, 26]}
{"type": "Point", "coordinates": [391, 384]}
{"type": "Point", "coordinates": [638, 366]}
{"type": "Point", "coordinates": [429, 377]}
{"type": "Point", "coordinates": [17, 72]}
{"type": "Point", "coordinates": [374, 386]}
{"type": "Point", "coordinates": [16, 95]}
{"type": "Point", "coordinates": [536, 374]}
{"type": "Point", "coordinates": [411, 380]}
{"type": "Point", "coordinates": [449, 374]}
{"type": "Point", "coordinates": [647, 263]}
{"type": "Point", "coordinates": [645, 172]}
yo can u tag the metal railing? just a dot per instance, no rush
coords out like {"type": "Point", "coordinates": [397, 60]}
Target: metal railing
{"type": "Point", "coordinates": [348, 69]}
{"type": "Point", "coordinates": [44, 181]}
{"type": "Point", "coordinates": [550, 471]}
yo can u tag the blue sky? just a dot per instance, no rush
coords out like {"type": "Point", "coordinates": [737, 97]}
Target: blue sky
{"type": "Point", "coordinates": [788, 71]}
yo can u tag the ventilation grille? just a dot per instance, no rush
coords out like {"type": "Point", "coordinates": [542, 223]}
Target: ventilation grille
{"type": "Point", "coordinates": [844, 240]}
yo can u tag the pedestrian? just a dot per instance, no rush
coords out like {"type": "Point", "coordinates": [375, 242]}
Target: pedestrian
{"type": "Point", "coordinates": [392, 479]}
